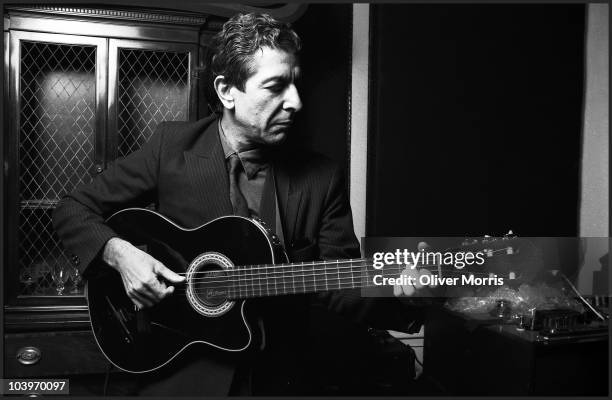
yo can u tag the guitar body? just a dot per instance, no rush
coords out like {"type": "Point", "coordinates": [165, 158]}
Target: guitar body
{"type": "Point", "coordinates": [200, 312]}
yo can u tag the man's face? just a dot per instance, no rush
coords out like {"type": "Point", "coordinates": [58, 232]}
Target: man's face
{"type": "Point", "coordinates": [264, 111]}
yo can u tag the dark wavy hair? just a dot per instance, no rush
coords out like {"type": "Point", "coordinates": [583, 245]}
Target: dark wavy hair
{"type": "Point", "coordinates": [231, 50]}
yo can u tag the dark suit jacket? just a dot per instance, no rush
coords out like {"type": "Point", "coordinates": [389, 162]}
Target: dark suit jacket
{"type": "Point", "coordinates": [182, 170]}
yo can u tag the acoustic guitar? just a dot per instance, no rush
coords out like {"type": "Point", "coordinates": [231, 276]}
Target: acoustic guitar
{"type": "Point", "coordinates": [225, 262]}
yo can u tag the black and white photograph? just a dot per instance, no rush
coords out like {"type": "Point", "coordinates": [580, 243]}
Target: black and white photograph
{"type": "Point", "coordinates": [305, 199]}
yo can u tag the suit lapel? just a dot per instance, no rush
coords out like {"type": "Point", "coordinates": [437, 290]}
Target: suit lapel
{"type": "Point", "coordinates": [206, 165]}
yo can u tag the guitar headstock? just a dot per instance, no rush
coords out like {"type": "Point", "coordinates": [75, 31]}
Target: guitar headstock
{"type": "Point", "coordinates": [507, 255]}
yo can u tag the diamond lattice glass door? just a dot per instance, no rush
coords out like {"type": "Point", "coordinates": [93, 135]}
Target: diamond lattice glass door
{"type": "Point", "coordinates": [55, 79]}
{"type": "Point", "coordinates": [149, 83]}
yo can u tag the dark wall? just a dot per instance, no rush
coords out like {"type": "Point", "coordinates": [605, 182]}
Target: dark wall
{"type": "Point", "coordinates": [323, 123]}
{"type": "Point", "coordinates": [476, 119]}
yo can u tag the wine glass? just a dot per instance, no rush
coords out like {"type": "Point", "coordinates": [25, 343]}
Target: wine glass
{"type": "Point", "coordinates": [76, 280]}
{"type": "Point", "coordinates": [60, 275]}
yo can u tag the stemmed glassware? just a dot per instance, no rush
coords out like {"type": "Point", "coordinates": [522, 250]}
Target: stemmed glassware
{"type": "Point", "coordinates": [60, 275]}
{"type": "Point", "coordinates": [76, 280]}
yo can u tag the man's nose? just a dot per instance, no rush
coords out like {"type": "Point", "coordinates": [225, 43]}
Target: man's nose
{"type": "Point", "coordinates": [292, 99]}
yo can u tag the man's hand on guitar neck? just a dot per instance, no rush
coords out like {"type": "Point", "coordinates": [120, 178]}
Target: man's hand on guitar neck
{"type": "Point", "coordinates": [418, 289]}
{"type": "Point", "coordinates": [140, 272]}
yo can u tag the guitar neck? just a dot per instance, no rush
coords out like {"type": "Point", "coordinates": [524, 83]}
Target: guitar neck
{"type": "Point", "coordinates": [306, 277]}
{"type": "Point", "coordinates": [320, 276]}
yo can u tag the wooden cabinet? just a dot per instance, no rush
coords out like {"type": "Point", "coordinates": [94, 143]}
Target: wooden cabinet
{"type": "Point", "coordinates": [83, 87]}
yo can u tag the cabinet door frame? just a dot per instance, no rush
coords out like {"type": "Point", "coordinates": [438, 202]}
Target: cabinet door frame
{"type": "Point", "coordinates": [12, 151]}
{"type": "Point", "coordinates": [115, 45]}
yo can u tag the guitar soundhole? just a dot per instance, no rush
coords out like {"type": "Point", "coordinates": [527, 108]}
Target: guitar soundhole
{"type": "Point", "coordinates": [212, 288]}
{"type": "Point", "coordinates": [208, 284]}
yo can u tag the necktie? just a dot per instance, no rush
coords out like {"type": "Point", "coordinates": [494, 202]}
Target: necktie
{"type": "Point", "coordinates": [239, 203]}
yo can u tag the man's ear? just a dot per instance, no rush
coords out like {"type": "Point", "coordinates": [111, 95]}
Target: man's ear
{"type": "Point", "coordinates": [223, 92]}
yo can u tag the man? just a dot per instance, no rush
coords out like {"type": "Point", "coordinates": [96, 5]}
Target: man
{"type": "Point", "coordinates": [195, 172]}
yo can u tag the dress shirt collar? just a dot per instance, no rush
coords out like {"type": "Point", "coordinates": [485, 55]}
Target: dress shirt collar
{"type": "Point", "coordinates": [252, 160]}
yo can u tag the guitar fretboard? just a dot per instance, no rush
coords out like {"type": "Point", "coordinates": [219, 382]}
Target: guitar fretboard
{"type": "Point", "coordinates": [296, 278]}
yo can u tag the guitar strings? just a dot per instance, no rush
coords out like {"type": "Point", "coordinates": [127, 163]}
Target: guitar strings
{"type": "Point", "coordinates": [332, 274]}
{"type": "Point", "coordinates": [309, 285]}
{"type": "Point", "coordinates": [331, 264]}
{"type": "Point", "coordinates": [249, 292]}
{"type": "Point", "coordinates": [237, 280]}
{"type": "Point", "coordinates": [258, 271]}
{"type": "Point", "coordinates": [324, 262]}
{"type": "Point", "coordinates": [223, 277]}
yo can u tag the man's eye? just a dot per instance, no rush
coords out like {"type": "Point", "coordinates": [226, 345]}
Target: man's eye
{"type": "Point", "coordinates": [276, 88]}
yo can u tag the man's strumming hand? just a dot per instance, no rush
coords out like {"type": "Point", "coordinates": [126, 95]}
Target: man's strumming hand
{"type": "Point", "coordinates": [144, 278]}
